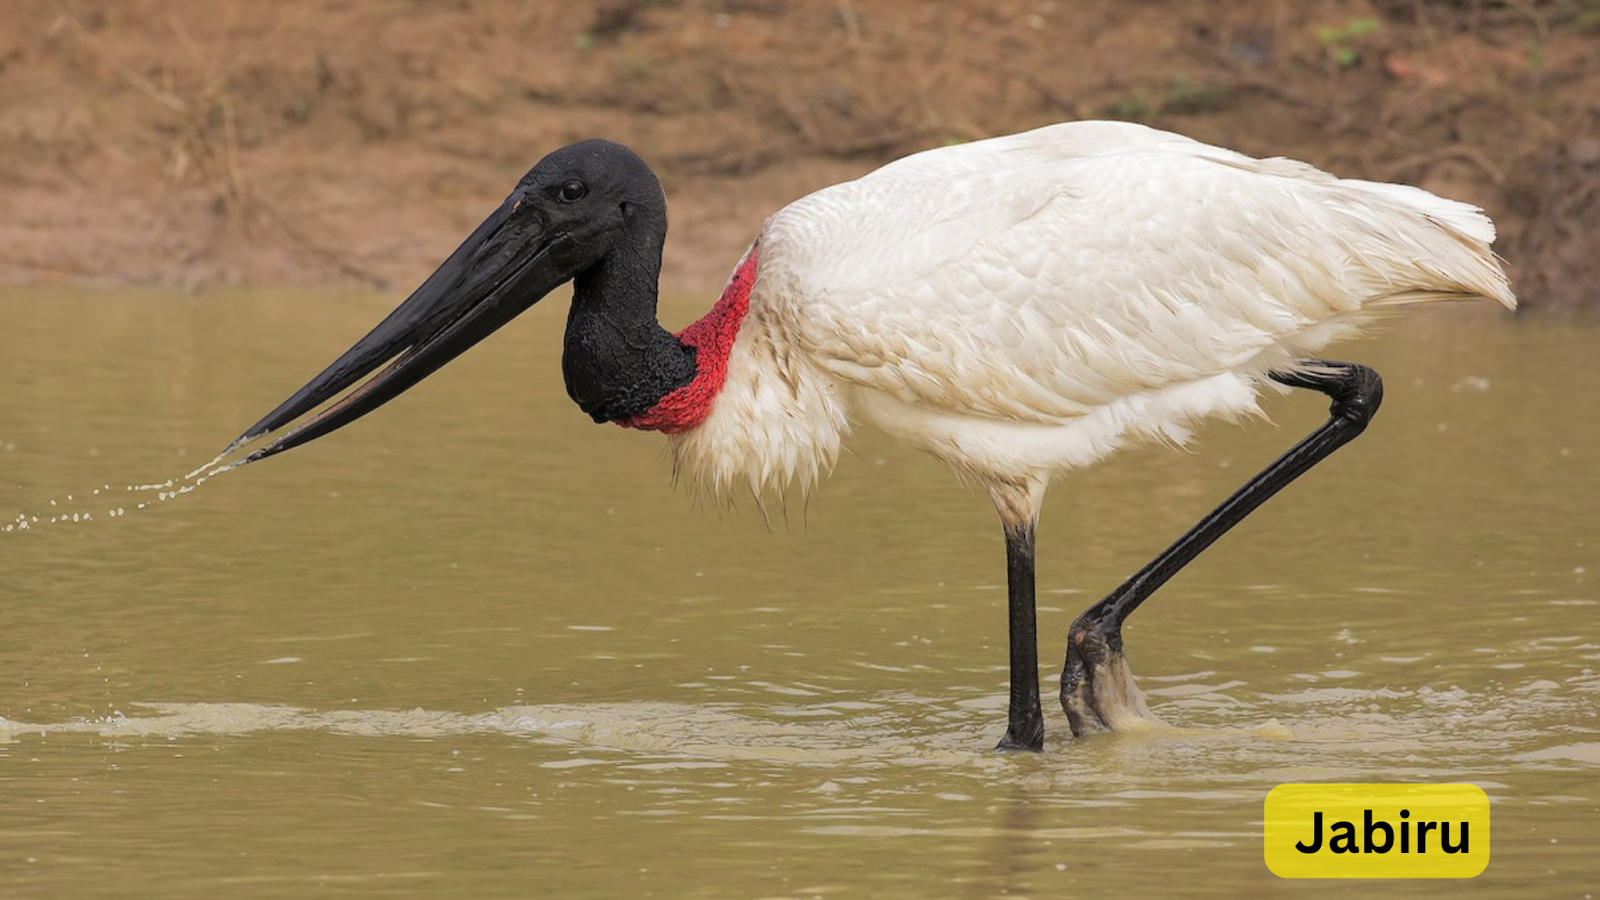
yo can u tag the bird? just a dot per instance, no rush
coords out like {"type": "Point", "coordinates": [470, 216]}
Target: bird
{"type": "Point", "coordinates": [1018, 307]}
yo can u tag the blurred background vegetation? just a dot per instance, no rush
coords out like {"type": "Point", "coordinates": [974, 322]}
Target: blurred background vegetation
{"type": "Point", "coordinates": [198, 142]}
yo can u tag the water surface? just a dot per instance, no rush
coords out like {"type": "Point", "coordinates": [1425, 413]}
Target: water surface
{"type": "Point", "coordinates": [476, 646]}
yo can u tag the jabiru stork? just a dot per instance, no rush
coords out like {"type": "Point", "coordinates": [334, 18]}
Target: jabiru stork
{"type": "Point", "coordinates": [1016, 307]}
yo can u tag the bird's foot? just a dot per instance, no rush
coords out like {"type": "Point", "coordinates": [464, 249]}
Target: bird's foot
{"type": "Point", "coordinates": [1097, 689]}
{"type": "Point", "coordinates": [1023, 736]}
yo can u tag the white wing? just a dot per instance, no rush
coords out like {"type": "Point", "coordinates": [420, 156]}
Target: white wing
{"type": "Point", "coordinates": [1038, 276]}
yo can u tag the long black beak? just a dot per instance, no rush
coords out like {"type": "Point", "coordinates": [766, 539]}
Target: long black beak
{"type": "Point", "coordinates": [506, 266]}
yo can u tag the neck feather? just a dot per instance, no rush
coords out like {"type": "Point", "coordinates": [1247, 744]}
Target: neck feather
{"type": "Point", "coordinates": [709, 340]}
{"type": "Point", "coordinates": [617, 359]}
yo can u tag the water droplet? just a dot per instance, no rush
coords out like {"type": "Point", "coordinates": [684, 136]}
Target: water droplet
{"type": "Point", "coordinates": [210, 464]}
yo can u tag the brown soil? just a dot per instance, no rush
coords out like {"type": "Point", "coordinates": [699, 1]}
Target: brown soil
{"type": "Point", "coordinates": [196, 142]}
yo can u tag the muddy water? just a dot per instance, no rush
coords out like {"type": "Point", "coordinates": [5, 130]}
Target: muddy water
{"type": "Point", "coordinates": [475, 646]}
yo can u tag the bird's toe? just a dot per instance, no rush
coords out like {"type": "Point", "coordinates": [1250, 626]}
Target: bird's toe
{"type": "Point", "coordinates": [1097, 688]}
{"type": "Point", "coordinates": [1030, 739]}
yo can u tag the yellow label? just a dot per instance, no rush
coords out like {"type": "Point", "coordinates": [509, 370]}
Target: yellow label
{"type": "Point", "coordinates": [1377, 830]}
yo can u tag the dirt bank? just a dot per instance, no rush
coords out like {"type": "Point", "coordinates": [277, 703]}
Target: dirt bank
{"type": "Point", "coordinates": [202, 141]}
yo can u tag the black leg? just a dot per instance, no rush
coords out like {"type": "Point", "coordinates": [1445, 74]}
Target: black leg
{"type": "Point", "coordinates": [1095, 684]}
{"type": "Point", "coordinates": [1025, 718]}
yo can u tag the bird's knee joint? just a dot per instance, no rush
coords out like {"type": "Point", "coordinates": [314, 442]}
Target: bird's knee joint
{"type": "Point", "coordinates": [1358, 395]}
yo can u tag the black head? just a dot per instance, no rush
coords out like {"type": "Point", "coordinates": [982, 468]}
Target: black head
{"type": "Point", "coordinates": [593, 191]}
{"type": "Point", "coordinates": [564, 218]}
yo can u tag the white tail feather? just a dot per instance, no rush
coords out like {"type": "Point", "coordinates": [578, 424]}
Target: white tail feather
{"type": "Point", "coordinates": [1445, 256]}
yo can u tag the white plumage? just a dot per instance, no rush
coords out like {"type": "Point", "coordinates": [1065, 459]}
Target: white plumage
{"type": "Point", "coordinates": [1028, 304]}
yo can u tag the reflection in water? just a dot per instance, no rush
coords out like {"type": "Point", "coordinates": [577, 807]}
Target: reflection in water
{"type": "Point", "coordinates": [477, 647]}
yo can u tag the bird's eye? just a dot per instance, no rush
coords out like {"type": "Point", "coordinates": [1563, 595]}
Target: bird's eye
{"type": "Point", "coordinates": [572, 192]}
